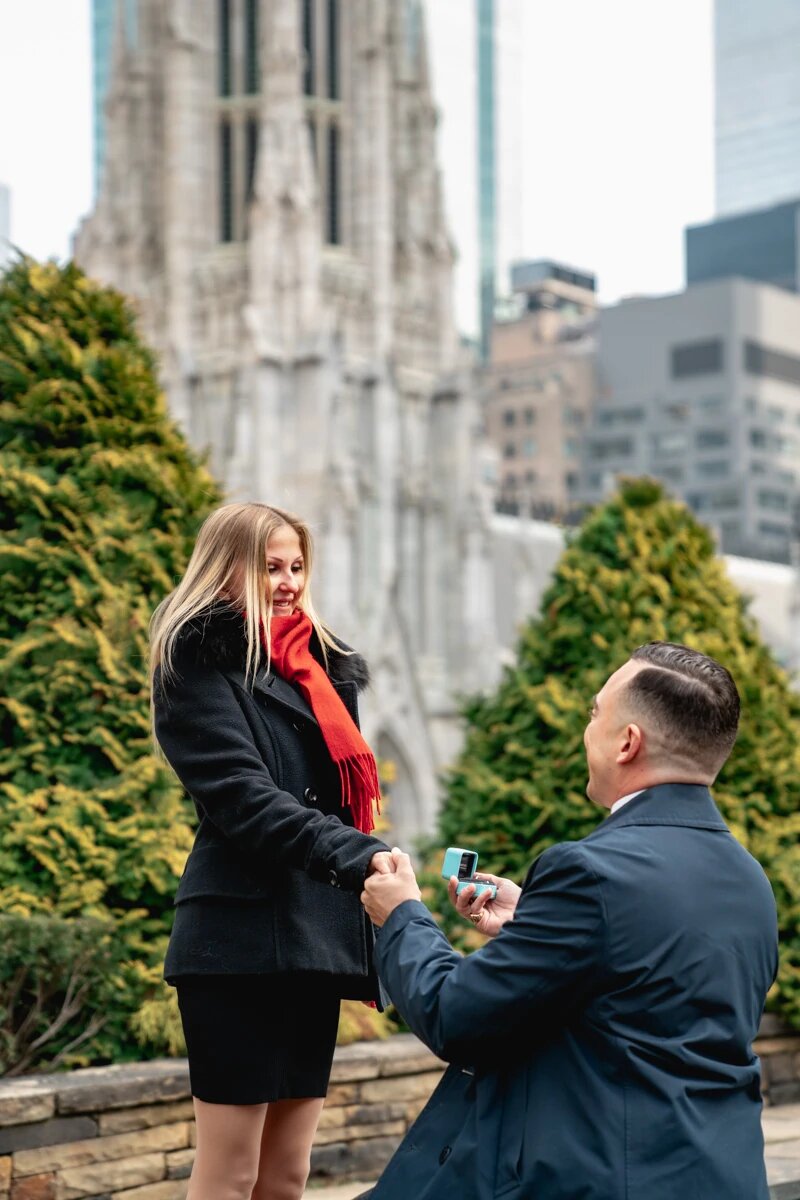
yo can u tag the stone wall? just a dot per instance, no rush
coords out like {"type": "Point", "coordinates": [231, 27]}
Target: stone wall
{"type": "Point", "coordinates": [126, 1132]}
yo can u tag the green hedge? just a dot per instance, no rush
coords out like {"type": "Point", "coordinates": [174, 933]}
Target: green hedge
{"type": "Point", "coordinates": [100, 502]}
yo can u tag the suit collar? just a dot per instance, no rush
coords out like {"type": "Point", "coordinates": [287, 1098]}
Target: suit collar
{"type": "Point", "coordinates": [689, 804]}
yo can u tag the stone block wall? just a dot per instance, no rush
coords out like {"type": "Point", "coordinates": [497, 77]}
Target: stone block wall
{"type": "Point", "coordinates": [127, 1133]}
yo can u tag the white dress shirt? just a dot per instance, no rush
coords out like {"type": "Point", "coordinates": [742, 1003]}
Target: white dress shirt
{"type": "Point", "coordinates": [623, 800]}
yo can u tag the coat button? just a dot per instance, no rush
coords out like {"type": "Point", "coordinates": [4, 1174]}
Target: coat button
{"type": "Point", "coordinates": [444, 1155]}
{"type": "Point", "coordinates": [310, 796]}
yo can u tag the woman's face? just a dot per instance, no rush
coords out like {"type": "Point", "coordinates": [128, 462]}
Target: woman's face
{"type": "Point", "coordinates": [286, 570]}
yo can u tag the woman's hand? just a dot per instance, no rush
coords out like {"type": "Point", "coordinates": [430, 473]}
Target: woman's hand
{"type": "Point", "coordinates": [381, 863]}
{"type": "Point", "coordinates": [491, 914]}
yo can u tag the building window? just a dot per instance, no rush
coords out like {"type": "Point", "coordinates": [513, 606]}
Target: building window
{"type": "Point", "coordinates": [510, 450]}
{"type": "Point", "coordinates": [530, 416]}
{"type": "Point", "coordinates": [711, 439]}
{"type": "Point", "coordinates": [616, 448]}
{"type": "Point", "coordinates": [509, 417]}
{"type": "Point", "coordinates": [712, 406]}
{"type": "Point", "coordinates": [665, 444]}
{"type": "Point", "coordinates": [224, 58]}
{"type": "Point", "coordinates": [771, 529]}
{"type": "Point", "coordinates": [333, 228]}
{"type": "Point", "coordinates": [776, 501]}
{"type": "Point", "coordinates": [529, 447]}
{"type": "Point", "coordinates": [716, 469]}
{"type": "Point", "coordinates": [333, 50]}
{"type": "Point", "coordinates": [251, 137]}
{"type": "Point", "coordinates": [237, 112]}
{"type": "Point", "coordinates": [530, 477]}
{"type": "Point", "coordinates": [226, 181]}
{"type": "Point", "coordinates": [771, 364]}
{"type": "Point", "coordinates": [677, 412]}
{"type": "Point", "coordinates": [571, 447]}
{"type": "Point", "coordinates": [672, 474]}
{"type": "Point", "coordinates": [696, 358]}
{"type": "Point", "coordinates": [323, 34]}
{"type": "Point", "coordinates": [252, 80]}
{"type": "Point", "coordinates": [308, 47]}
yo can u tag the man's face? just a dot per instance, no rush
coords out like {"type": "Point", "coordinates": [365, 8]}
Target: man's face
{"type": "Point", "coordinates": [605, 735]}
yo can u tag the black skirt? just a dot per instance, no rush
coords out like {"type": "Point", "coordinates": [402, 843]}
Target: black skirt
{"type": "Point", "coordinates": [252, 1039]}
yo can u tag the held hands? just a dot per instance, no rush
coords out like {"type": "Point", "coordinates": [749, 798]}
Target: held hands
{"type": "Point", "coordinates": [388, 885]}
{"type": "Point", "coordinates": [492, 914]}
{"type": "Point", "coordinates": [380, 863]}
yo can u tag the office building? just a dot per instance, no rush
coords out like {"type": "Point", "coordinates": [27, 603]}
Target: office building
{"type": "Point", "coordinates": [763, 244]}
{"type": "Point", "coordinates": [539, 387]}
{"type": "Point", "coordinates": [702, 391]}
{"type": "Point", "coordinates": [106, 14]}
{"type": "Point", "coordinates": [476, 59]}
{"type": "Point", "coordinates": [757, 94]}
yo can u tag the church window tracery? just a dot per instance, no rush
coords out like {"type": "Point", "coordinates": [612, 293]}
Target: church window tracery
{"type": "Point", "coordinates": [322, 40]}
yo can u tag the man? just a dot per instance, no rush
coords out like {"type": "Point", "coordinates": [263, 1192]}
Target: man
{"type": "Point", "coordinates": [600, 1044]}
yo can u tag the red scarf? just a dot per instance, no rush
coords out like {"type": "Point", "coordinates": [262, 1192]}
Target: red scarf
{"type": "Point", "coordinates": [358, 772]}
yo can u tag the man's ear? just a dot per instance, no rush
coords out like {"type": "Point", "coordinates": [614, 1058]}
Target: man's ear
{"type": "Point", "coordinates": [631, 744]}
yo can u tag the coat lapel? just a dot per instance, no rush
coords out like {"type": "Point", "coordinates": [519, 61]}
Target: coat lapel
{"type": "Point", "coordinates": [275, 688]}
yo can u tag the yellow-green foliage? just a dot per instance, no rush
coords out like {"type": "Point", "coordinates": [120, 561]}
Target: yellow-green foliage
{"type": "Point", "coordinates": [640, 569]}
{"type": "Point", "coordinates": [100, 501]}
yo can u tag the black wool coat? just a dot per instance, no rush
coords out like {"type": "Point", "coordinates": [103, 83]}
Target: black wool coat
{"type": "Point", "coordinates": [272, 883]}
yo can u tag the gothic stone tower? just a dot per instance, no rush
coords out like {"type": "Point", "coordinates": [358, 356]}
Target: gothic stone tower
{"type": "Point", "coordinates": [271, 199]}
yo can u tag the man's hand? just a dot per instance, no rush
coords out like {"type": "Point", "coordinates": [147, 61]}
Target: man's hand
{"type": "Point", "coordinates": [493, 914]}
{"type": "Point", "coordinates": [383, 891]}
{"type": "Point", "coordinates": [380, 864]}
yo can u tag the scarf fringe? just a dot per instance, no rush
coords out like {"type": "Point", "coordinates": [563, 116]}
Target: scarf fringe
{"type": "Point", "coordinates": [358, 775]}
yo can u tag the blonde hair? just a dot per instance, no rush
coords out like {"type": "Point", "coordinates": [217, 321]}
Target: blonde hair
{"type": "Point", "coordinates": [232, 540]}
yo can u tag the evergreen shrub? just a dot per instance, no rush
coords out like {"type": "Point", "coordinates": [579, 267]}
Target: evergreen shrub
{"type": "Point", "coordinates": [641, 568]}
{"type": "Point", "coordinates": [100, 502]}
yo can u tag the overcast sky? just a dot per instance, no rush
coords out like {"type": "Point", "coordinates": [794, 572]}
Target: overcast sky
{"type": "Point", "coordinates": [617, 143]}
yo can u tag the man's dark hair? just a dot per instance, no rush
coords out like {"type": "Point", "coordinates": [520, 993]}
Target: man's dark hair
{"type": "Point", "coordinates": [692, 698]}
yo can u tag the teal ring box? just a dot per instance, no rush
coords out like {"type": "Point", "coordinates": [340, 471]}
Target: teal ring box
{"type": "Point", "coordinates": [463, 864]}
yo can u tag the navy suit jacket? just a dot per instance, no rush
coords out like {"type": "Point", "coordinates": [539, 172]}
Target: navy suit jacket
{"type": "Point", "coordinates": [601, 1044]}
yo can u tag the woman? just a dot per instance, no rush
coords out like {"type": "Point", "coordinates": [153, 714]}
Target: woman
{"type": "Point", "coordinates": [255, 708]}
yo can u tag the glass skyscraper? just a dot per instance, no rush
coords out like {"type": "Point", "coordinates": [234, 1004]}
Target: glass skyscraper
{"type": "Point", "coordinates": [104, 16]}
{"type": "Point", "coordinates": [757, 63]}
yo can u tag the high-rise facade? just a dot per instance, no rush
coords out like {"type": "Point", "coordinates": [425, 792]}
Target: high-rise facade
{"type": "Point", "coordinates": [106, 16]}
{"type": "Point", "coordinates": [702, 391]}
{"type": "Point", "coordinates": [763, 244]}
{"type": "Point", "coordinates": [757, 68]}
{"type": "Point", "coordinates": [540, 386]}
{"type": "Point", "coordinates": [476, 56]}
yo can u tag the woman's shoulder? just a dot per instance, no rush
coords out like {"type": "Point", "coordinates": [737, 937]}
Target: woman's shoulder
{"type": "Point", "coordinates": [345, 665]}
{"type": "Point", "coordinates": [213, 637]}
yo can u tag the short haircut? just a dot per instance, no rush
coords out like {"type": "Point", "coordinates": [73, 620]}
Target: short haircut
{"type": "Point", "coordinates": [692, 698]}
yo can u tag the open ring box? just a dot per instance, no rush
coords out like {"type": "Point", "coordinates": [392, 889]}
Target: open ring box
{"type": "Point", "coordinates": [463, 864]}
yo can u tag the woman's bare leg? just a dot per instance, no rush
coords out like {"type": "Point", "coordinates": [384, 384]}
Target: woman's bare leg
{"type": "Point", "coordinates": [286, 1140]}
{"type": "Point", "coordinates": [228, 1148]}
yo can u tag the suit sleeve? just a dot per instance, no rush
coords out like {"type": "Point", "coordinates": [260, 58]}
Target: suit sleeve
{"type": "Point", "coordinates": [208, 743]}
{"type": "Point", "coordinates": [523, 981]}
